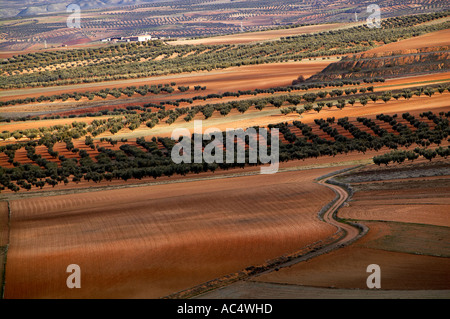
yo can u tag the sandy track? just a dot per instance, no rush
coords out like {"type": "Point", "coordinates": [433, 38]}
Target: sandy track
{"type": "Point", "coordinates": [155, 240]}
{"type": "Point", "coordinates": [351, 232]}
{"type": "Point", "coordinates": [433, 39]}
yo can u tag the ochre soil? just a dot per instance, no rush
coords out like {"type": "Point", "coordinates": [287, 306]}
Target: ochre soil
{"type": "Point", "coordinates": [155, 240]}
{"type": "Point", "coordinates": [247, 77]}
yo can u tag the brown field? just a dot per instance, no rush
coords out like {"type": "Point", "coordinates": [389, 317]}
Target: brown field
{"type": "Point", "coordinates": [3, 223]}
{"type": "Point", "coordinates": [346, 268]}
{"type": "Point", "coordinates": [231, 79]}
{"type": "Point", "coordinates": [162, 238]}
{"type": "Point", "coordinates": [408, 227]}
{"type": "Point", "coordinates": [269, 290]}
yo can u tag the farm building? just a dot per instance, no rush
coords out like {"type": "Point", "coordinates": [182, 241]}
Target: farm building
{"type": "Point", "coordinates": [139, 38]}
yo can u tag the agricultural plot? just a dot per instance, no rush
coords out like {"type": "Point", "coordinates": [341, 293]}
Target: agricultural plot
{"type": "Point", "coordinates": [161, 239]}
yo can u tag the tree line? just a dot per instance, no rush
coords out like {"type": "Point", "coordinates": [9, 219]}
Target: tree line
{"type": "Point", "coordinates": [152, 158]}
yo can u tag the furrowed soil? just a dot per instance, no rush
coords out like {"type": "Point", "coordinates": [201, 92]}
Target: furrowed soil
{"type": "Point", "coordinates": [151, 241]}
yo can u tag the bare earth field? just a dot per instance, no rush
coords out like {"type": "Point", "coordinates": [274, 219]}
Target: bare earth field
{"type": "Point", "coordinates": [266, 290]}
{"type": "Point", "coordinates": [408, 238]}
{"type": "Point", "coordinates": [404, 205]}
{"type": "Point", "coordinates": [160, 239]}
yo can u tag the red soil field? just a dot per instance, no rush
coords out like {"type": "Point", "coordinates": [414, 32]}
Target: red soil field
{"type": "Point", "coordinates": [433, 39]}
{"type": "Point", "coordinates": [248, 37]}
{"type": "Point", "coordinates": [155, 240]}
